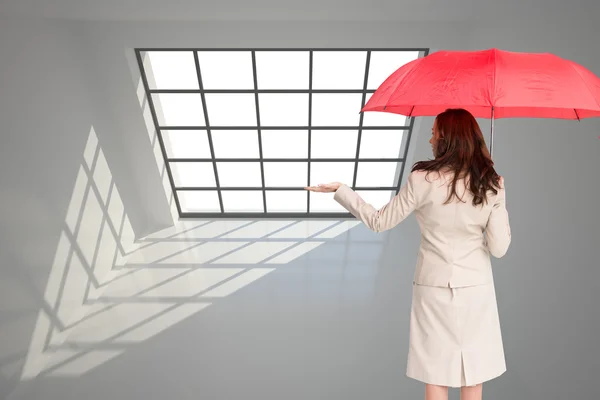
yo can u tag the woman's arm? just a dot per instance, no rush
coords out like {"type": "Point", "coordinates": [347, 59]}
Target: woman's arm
{"type": "Point", "coordinates": [497, 229]}
{"type": "Point", "coordinates": [386, 217]}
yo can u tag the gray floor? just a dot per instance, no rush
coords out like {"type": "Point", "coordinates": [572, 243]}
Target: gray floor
{"type": "Point", "coordinates": [240, 310]}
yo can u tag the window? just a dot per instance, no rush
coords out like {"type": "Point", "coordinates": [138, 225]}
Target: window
{"type": "Point", "coordinates": [244, 131]}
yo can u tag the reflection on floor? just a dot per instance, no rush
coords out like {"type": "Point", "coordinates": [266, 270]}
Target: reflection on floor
{"type": "Point", "coordinates": [228, 307]}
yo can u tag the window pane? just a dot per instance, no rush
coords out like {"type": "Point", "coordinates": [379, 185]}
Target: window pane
{"type": "Point", "coordinates": [235, 144]}
{"type": "Point", "coordinates": [242, 201]}
{"type": "Point", "coordinates": [286, 174]}
{"type": "Point", "coordinates": [231, 109]}
{"type": "Point", "coordinates": [381, 143]}
{"type": "Point", "coordinates": [197, 174]}
{"type": "Point", "coordinates": [326, 172]}
{"type": "Point", "coordinates": [198, 201]}
{"type": "Point", "coordinates": [336, 109]}
{"type": "Point", "coordinates": [385, 63]}
{"type": "Point", "coordinates": [226, 69]}
{"type": "Point", "coordinates": [380, 118]}
{"type": "Point", "coordinates": [339, 69]}
{"type": "Point", "coordinates": [239, 174]}
{"type": "Point", "coordinates": [171, 70]}
{"type": "Point", "coordinates": [186, 144]}
{"type": "Point", "coordinates": [178, 109]}
{"type": "Point", "coordinates": [377, 174]}
{"type": "Point", "coordinates": [334, 144]}
{"type": "Point", "coordinates": [285, 144]}
{"type": "Point", "coordinates": [282, 69]}
{"type": "Point", "coordinates": [324, 202]}
{"type": "Point", "coordinates": [279, 70]}
{"type": "Point", "coordinates": [377, 198]}
{"type": "Point", "coordinates": [288, 109]}
{"type": "Point", "coordinates": [286, 201]}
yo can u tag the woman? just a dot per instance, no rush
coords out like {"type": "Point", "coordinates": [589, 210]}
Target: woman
{"type": "Point", "coordinates": [459, 202]}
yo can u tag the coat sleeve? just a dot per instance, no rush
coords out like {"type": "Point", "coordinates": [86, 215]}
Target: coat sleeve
{"type": "Point", "coordinates": [389, 215]}
{"type": "Point", "coordinates": [498, 227]}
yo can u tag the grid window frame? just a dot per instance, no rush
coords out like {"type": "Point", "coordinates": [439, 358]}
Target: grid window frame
{"type": "Point", "coordinates": [405, 130]}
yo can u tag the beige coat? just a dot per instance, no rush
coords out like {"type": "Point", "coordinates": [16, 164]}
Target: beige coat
{"type": "Point", "coordinates": [457, 239]}
{"type": "Point", "coordinates": [455, 336]}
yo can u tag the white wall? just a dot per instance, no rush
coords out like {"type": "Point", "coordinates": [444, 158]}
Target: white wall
{"type": "Point", "coordinates": [123, 120]}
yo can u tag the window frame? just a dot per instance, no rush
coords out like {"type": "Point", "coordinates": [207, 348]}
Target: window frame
{"type": "Point", "coordinates": [406, 139]}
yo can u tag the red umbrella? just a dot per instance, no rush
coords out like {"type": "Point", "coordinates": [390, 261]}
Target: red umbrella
{"type": "Point", "coordinates": [490, 84]}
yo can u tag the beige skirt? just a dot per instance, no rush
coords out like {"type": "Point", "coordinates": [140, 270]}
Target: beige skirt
{"type": "Point", "coordinates": [455, 337]}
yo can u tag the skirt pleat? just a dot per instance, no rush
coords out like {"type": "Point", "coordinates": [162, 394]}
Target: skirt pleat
{"type": "Point", "coordinates": [455, 337]}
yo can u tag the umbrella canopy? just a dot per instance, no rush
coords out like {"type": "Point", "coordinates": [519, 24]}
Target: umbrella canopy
{"type": "Point", "coordinates": [490, 84]}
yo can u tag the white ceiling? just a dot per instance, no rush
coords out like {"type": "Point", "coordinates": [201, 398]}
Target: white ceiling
{"type": "Point", "coordinates": [307, 10]}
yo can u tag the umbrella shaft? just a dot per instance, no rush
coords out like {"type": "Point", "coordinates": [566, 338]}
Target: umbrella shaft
{"type": "Point", "coordinates": [492, 134]}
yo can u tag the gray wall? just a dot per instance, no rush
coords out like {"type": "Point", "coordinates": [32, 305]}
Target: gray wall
{"type": "Point", "coordinates": [63, 224]}
{"type": "Point", "coordinates": [547, 285]}
{"type": "Point", "coordinates": [45, 116]}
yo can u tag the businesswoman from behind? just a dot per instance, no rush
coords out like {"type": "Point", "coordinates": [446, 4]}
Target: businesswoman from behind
{"type": "Point", "coordinates": [459, 201]}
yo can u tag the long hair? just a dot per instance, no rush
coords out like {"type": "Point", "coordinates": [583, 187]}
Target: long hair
{"type": "Point", "coordinates": [461, 149]}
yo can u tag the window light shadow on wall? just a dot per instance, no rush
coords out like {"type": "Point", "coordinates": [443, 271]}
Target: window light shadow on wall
{"type": "Point", "coordinates": [106, 292]}
{"type": "Point", "coordinates": [96, 237]}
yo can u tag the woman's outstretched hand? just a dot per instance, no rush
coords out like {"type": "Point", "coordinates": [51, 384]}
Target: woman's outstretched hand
{"type": "Point", "coordinates": [324, 187]}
